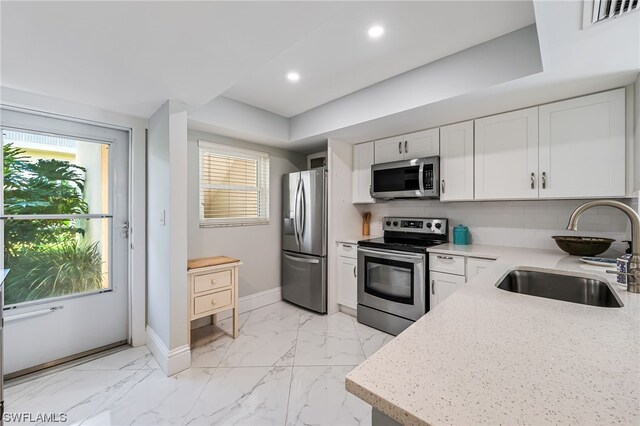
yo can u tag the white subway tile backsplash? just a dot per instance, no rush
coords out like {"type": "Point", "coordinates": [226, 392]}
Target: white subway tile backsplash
{"type": "Point", "coordinates": [513, 223]}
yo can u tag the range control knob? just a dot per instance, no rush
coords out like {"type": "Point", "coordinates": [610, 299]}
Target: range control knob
{"type": "Point", "coordinates": [388, 223]}
{"type": "Point", "coordinates": [438, 225]}
{"type": "Point", "coordinates": [429, 225]}
{"type": "Point", "coordinates": [395, 223]}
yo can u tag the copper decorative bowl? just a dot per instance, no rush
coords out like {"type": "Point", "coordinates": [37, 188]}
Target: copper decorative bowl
{"type": "Point", "coordinates": [583, 246]}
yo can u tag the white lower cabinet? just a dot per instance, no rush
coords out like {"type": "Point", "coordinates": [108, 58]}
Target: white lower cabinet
{"type": "Point", "coordinates": [476, 265]}
{"type": "Point", "coordinates": [443, 286]}
{"type": "Point", "coordinates": [347, 278]}
{"type": "Point", "coordinates": [447, 273]}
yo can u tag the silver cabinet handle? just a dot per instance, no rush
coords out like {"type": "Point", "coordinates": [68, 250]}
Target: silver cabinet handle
{"type": "Point", "coordinates": [354, 272]}
{"type": "Point", "coordinates": [544, 180]}
{"type": "Point", "coordinates": [406, 150]}
{"type": "Point", "coordinates": [400, 147]}
{"type": "Point", "coordinates": [445, 257]}
{"type": "Point", "coordinates": [533, 180]}
{"type": "Point", "coordinates": [442, 185]}
{"type": "Point", "coordinates": [433, 287]}
{"type": "Point", "coordinates": [347, 246]}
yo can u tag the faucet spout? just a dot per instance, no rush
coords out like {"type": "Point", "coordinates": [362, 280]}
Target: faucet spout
{"type": "Point", "coordinates": [633, 280]}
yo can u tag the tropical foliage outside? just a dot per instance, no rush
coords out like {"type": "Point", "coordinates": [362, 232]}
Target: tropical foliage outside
{"type": "Point", "coordinates": [47, 258]}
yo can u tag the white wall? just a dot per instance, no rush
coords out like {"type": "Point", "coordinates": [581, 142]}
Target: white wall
{"type": "Point", "coordinates": [344, 218]}
{"type": "Point", "coordinates": [137, 238]}
{"type": "Point", "coordinates": [257, 246]}
{"type": "Point", "coordinates": [511, 223]}
{"type": "Point", "coordinates": [167, 291]}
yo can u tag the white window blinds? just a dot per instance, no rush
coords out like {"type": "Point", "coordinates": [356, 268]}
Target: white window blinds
{"type": "Point", "coordinates": [234, 186]}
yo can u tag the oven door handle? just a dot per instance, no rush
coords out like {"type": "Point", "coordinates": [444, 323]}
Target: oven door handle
{"type": "Point", "coordinates": [392, 253]}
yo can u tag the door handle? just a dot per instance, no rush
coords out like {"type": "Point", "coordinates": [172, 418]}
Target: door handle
{"type": "Point", "coordinates": [433, 287]}
{"type": "Point", "coordinates": [442, 185]}
{"type": "Point", "coordinates": [390, 253]}
{"type": "Point", "coordinates": [406, 150]}
{"type": "Point", "coordinates": [296, 204]}
{"type": "Point", "coordinates": [533, 180]}
{"type": "Point", "coordinates": [303, 218]}
{"type": "Point", "coordinates": [302, 259]}
{"type": "Point", "coordinates": [354, 272]}
{"type": "Point", "coordinates": [544, 180]}
{"type": "Point", "coordinates": [400, 147]}
{"type": "Point", "coordinates": [445, 257]}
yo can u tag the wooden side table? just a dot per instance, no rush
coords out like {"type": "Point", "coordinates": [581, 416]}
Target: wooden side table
{"type": "Point", "coordinates": [213, 288]}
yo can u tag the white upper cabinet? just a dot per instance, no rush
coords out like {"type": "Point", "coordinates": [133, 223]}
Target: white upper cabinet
{"type": "Point", "coordinates": [405, 147]}
{"type": "Point", "coordinates": [361, 179]}
{"type": "Point", "coordinates": [582, 147]}
{"type": "Point", "coordinates": [389, 149]}
{"type": "Point", "coordinates": [506, 156]}
{"type": "Point", "coordinates": [456, 162]}
{"type": "Point", "coordinates": [422, 144]}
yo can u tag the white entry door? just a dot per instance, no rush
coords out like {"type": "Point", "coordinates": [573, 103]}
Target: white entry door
{"type": "Point", "coordinates": [65, 239]}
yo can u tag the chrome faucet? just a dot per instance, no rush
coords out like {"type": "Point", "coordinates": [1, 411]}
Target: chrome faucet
{"type": "Point", "coordinates": [633, 268]}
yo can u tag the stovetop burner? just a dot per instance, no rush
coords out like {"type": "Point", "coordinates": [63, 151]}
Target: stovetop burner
{"type": "Point", "coordinates": [410, 234]}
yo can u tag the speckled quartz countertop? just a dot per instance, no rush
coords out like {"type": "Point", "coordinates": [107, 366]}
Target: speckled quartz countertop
{"type": "Point", "coordinates": [489, 356]}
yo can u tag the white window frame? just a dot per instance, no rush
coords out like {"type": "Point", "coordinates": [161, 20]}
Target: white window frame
{"type": "Point", "coordinates": [262, 187]}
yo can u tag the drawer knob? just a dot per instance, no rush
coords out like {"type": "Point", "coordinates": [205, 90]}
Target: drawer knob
{"type": "Point", "coordinates": [213, 301]}
{"type": "Point", "coordinates": [214, 281]}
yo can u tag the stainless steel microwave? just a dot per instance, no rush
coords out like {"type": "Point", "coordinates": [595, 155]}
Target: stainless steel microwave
{"type": "Point", "coordinates": [417, 178]}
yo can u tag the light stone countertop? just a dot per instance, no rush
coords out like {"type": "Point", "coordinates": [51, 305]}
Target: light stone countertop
{"type": "Point", "coordinates": [353, 239]}
{"type": "Point", "coordinates": [489, 356]}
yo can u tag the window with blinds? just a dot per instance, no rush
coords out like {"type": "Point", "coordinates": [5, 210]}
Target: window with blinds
{"type": "Point", "coordinates": [234, 186]}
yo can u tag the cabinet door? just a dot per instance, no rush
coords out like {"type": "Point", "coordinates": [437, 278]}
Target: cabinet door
{"type": "Point", "coordinates": [347, 282]}
{"type": "Point", "coordinates": [421, 144]}
{"type": "Point", "coordinates": [443, 286]}
{"type": "Point", "coordinates": [456, 162]}
{"type": "Point", "coordinates": [506, 156]}
{"type": "Point", "coordinates": [362, 161]}
{"type": "Point", "coordinates": [476, 265]}
{"type": "Point", "coordinates": [582, 147]}
{"type": "Point", "coordinates": [389, 149]}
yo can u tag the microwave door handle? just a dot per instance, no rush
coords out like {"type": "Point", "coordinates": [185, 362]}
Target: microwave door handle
{"type": "Point", "coordinates": [421, 179]}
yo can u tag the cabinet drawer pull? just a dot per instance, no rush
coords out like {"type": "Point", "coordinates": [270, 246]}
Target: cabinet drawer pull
{"type": "Point", "coordinates": [354, 272]}
{"type": "Point", "coordinates": [544, 180]}
{"type": "Point", "coordinates": [433, 287]}
{"type": "Point", "coordinates": [213, 301]}
{"type": "Point", "coordinates": [533, 180]}
{"type": "Point", "coordinates": [399, 147]}
{"type": "Point", "coordinates": [347, 246]}
{"type": "Point", "coordinates": [214, 281]}
{"type": "Point", "coordinates": [445, 257]}
{"type": "Point", "coordinates": [442, 186]}
{"type": "Point", "coordinates": [406, 150]}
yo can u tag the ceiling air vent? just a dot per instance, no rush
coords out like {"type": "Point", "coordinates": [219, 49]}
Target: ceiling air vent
{"type": "Point", "coordinates": [596, 11]}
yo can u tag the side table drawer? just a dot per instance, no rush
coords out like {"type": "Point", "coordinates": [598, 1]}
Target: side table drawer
{"type": "Point", "coordinates": [213, 301]}
{"type": "Point", "coordinates": [211, 281]}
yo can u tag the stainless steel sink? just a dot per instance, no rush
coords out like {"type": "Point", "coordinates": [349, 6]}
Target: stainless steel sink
{"type": "Point", "coordinates": [587, 291]}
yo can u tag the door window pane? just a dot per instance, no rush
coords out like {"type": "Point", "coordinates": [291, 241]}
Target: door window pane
{"type": "Point", "coordinates": [389, 279]}
{"type": "Point", "coordinates": [52, 175]}
{"type": "Point", "coordinates": [52, 258]}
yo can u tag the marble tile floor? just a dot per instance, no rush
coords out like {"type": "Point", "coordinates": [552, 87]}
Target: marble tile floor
{"type": "Point", "coordinates": [286, 367]}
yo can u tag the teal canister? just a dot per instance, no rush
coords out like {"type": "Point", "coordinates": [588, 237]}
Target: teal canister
{"type": "Point", "coordinates": [460, 235]}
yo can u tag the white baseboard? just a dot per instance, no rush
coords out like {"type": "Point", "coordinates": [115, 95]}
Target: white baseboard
{"type": "Point", "coordinates": [245, 304]}
{"type": "Point", "coordinates": [170, 361]}
{"type": "Point", "coordinates": [349, 311]}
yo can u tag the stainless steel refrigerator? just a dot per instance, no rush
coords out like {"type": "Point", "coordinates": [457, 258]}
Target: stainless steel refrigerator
{"type": "Point", "coordinates": [304, 239]}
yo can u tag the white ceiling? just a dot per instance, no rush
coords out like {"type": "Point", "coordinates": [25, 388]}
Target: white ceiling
{"type": "Point", "coordinates": [337, 57]}
{"type": "Point", "coordinates": [130, 57]}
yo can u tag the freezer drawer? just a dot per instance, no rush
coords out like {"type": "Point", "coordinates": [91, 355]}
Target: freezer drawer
{"type": "Point", "coordinates": [304, 280]}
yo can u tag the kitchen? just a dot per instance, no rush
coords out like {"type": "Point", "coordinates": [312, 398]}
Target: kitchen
{"type": "Point", "coordinates": [344, 223]}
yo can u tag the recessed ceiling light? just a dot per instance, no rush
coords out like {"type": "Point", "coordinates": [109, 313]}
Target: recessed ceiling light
{"type": "Point", "coordinates": [376, 31]}
{"type": "Point", "coordinates": [293, 76]}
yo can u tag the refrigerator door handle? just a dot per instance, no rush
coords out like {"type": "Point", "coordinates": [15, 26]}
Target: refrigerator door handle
{"type": "Point", "coordinates": [303, 204]}
{"type": "Point", "coordinates": [301, 259]}
{"type": "Point", "coordinates": [295, 213]}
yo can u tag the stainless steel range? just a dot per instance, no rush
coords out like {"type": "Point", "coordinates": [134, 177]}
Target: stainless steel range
{"type": "Point", "coordinates": [393, 272]}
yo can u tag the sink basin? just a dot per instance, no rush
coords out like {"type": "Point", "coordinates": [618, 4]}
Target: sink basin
{"type": "Point", "coordinates": [587, 291]}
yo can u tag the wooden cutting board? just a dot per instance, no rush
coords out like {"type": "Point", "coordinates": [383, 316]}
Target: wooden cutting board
{"type": "Point", "coordinates": [209, 261]}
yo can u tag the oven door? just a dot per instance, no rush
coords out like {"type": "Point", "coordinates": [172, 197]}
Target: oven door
{"type": "Point", "coordinates": [393, 282]}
